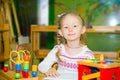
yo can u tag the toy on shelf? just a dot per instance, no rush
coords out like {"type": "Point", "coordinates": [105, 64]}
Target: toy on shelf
{"type": "Point", "coordinates": [89, 26]}
{"type": "Point", "coordinates": [22, 62]}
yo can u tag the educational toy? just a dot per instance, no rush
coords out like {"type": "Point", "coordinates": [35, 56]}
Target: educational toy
{"type": "Point", "coordinates": [107, 69]}
{"type": "Point", "coordinates": [22, 63]}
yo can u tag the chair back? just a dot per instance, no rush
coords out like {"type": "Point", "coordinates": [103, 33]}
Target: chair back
{"type": "Point", "coordinates": [36, 31]}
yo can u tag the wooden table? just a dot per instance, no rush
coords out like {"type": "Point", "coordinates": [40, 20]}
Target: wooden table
{"type": "Point", "coordinates": [10, 76]}
{"type": "Point", "coordinates": [106, 71]}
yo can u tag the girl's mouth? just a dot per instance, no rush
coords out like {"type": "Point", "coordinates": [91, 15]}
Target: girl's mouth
{"type": "Point", "coordinates": [71, 34]}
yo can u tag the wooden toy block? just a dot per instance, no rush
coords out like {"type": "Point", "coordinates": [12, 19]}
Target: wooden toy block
{"type": "Point", "coordinates": [106, 70]}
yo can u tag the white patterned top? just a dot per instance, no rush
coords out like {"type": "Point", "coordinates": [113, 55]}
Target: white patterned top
{"type": "Point", "coordinates": [69, 63]}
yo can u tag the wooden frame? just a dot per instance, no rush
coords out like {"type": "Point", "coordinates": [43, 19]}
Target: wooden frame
{"type": "Point", "coordinates": [5, 32]}
{"type": "Point", "coordinates": [35, 39]}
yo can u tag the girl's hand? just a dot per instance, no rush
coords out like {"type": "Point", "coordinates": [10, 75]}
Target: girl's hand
{"type": "Point", "coordinates": [52, 72]}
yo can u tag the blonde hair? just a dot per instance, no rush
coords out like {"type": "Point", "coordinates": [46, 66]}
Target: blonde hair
{"type": "Point", "coordinates": [61, 39]}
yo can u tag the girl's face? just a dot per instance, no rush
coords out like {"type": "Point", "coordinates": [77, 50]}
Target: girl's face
{"type": "Point", "coordinates": [71, 28]}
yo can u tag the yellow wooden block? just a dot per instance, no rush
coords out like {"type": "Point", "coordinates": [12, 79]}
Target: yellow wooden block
{"type": "Point", "coordinates": [88, 61]}
{"type": "Point", "coordinates": [91, 76]}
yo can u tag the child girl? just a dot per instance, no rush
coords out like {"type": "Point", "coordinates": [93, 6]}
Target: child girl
{"type": "Point", "coordinates": [70, 48]}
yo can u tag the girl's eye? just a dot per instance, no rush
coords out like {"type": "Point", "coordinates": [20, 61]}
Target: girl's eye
{"type": "Point", "coordinates": [75, 26]}
{"type": "Point", "coordinates": [65, 27]}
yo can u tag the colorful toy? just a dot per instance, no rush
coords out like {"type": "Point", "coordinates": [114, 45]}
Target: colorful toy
{"type": "Point", "coordinates": [89, 26]}
{"type": "Point", "coordinates": [34, 66]}
{"type": "Point", "coordinates": [95, 60]}
{"type": "Point", "coordinates": [25, 71]}
{"type": "Point", "coordinates": [22, 62]}
{"type": "Point", "coordinates": [25, 74]}
{"type": "Point", "coordinates": [103, 62]}
{"type": "Point", "coordinates": [18, 61]}
{"type": "Point", "coordinates": [18, 75]}
{"type": "Point", "coordinates": [5, 67]}
{"type": "Point", "coordinates": [109, 62]}
{"type": "Point", "coordinates": [107, 70]}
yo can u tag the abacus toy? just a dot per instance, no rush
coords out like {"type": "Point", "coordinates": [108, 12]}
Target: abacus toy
{"type": "Point", "coordinates": [22, 62]}
{"type": "Point", "coordinates": [18, 62]}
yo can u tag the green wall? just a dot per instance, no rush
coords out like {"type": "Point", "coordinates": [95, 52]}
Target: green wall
{"type": "Point", "coordinates": [103, 42]}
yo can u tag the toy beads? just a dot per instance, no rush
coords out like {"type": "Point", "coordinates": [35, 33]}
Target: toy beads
{"type": "Point", "coordinates": [34, 67]}
{"type": "Point", "coordinates": [5, 67]}
{"type": "Point", "coordinates": [26, 65]}
{"type": "Point", "coordinates": [34, 73]}
{"type": "Point", "coordinates": [18, 70]}
{"type": "Point", "coordinates": [109, 62]}
{"type": "Point", "coordinates": [25, 71]}
{"type": "Point", "coordinates": [25, 74]}
{"type": "Point", "coordinates": [34, 70]}
{"type": "Point", "coordinates": [17, 75]}
{"type": "Point", "coordinates": [95, 60]}
{"type": "Point", "coordinates": [18, 66]}
{"type": "Point", "coordinates": [26, 58]}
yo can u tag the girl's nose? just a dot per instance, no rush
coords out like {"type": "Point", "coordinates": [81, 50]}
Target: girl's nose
{"type": "Point", "coordinates": [70, 29]}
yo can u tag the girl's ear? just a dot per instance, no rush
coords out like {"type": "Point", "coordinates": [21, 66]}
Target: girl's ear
{"type": "Point", "coordinates": [60, 32]}
{"type": "Point", "coordinates": [83, 30]}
